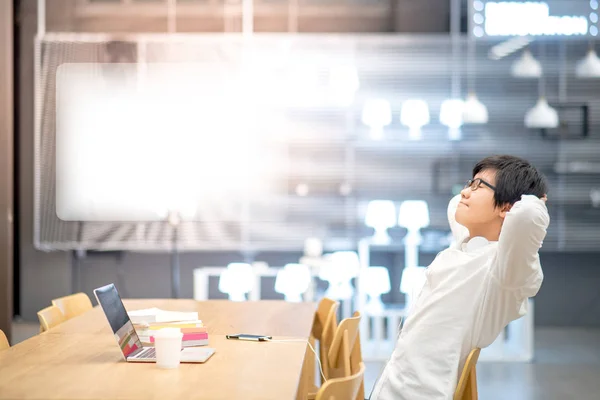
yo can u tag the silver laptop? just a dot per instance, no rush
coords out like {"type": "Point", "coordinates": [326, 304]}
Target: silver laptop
{"type": "Point", "coordinates": [126, 336]}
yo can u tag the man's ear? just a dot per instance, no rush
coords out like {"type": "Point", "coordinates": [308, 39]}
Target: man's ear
{"type": "Point", "coordinates": [504, 209]}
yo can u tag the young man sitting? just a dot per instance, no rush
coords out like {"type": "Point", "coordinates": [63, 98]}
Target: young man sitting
{"type": "Point", "coordinates": [477, 286]}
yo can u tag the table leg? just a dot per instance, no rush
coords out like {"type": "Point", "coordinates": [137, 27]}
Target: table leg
{"type": "Point", "coordinates": [307, 376]}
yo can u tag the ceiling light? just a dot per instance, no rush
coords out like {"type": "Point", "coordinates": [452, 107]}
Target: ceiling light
{"type": "Point", "coordinates": [589, 66]}
{"type": "Point", "coordinates": [377, 113]}
{"type": "Point", "coordinates": [526, 66]}
{"type": "Point", "coordinates": [414, 115]}
{"type": "Point", "coordinates": [541, 116]}
{"type": "Point", "coordinates": [474, 111]}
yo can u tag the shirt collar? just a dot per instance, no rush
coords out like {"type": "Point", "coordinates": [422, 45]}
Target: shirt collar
{"type": "Point", "coordinates": [475, 244]}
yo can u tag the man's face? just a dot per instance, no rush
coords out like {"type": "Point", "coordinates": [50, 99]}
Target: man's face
{"type": "Point", "coordinates": [477, 207]}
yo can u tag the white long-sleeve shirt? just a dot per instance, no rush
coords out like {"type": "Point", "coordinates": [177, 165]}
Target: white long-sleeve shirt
{"type": "Point", "coordinates": [469, 296]}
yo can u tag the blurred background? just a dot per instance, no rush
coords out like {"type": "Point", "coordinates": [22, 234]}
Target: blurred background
{"type": "Point", "coordinates": [267, 131]}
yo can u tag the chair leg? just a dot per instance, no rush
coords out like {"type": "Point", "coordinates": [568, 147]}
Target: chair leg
{"type": "Point", "coordinates": [473, 384]}
{"type": "Point", "coordinates": [471, 387]}
{"type": "Point", "coordinates": [307, 385]}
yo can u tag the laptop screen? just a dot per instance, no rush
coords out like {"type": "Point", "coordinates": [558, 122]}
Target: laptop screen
{"type": "Point", "coordinates": [117, 317]}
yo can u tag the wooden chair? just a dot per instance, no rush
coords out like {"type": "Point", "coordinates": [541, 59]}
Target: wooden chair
{"type": "Point", "coordinates": [324, 325]}
{"type": "Point", "coordinates": [3, 341]}
{"type": "Point", "coordinates": [467, 384]}
{"type": "Point", "coordinates": [50, 317]}
{"type": "Point", "coordinates": [342, 388]}
{"type": "Point", "coordinates": [345, 354]}
{"type": "Point", "coordinates": [73, 305]}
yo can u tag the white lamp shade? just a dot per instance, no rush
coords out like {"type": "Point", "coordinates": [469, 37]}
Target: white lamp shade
{"type": "Point", "coordinates": [413, 279]}
{"type": "Point", "coordinates": [377, 113]}
{"type": "Point", "coordinates": [293, 280]}
{"type": "Point", "coordinates": [237, 280]}
{"type": "Point", "coordinates": [414, 114]}
{"type": "Point", "coordinates": [381, 214]}
{"type": "Point", "coordinates": [541, 116]}
{"type": "Point", "coordinates": [339, 270]}
{"type": "Point", "coordinates": [347, 263]}
{"type": "Point", "coordinates": [376, 281]}
{"type": "Point", "coordinates": [413, 214]}
{"type": "Point", "coordinates": [313, 247]}
{"type": "Point", "coordinates": [474, 111]}
{"type": "Point", "coordinates": [589, 67]}
{"type": "Point", "coordinates": [526, 66]}
{"type": "Point", "coordinates": [451, 113]}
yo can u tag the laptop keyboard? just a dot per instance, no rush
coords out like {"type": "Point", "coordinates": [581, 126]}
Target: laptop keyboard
{"type": "Point", "coordinates": [148, 352]}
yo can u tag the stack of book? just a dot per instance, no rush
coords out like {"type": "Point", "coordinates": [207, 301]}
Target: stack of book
{"type": "Point", "coordinates": [150, 315]}
{"type": "Point", "coordinates": [194, 332]}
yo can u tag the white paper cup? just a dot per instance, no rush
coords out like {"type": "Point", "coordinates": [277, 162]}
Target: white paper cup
{"type": "Point", "coordinates": [168, 347]}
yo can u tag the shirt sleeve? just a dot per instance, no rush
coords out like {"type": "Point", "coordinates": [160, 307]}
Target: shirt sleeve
{"type": "Point", "coordinates": [459, 232]}
{"type": "Point", "coordinates": [517, 265]}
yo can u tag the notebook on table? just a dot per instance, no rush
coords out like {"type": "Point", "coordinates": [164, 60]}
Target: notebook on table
{"type": "Point", "coordinates": [126, 336]}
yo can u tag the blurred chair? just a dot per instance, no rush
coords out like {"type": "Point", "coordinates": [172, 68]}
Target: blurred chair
{"type": "Point", "coordinates": [324, 325]}
{"type": "Point", "coordinates": [343, 388]}
{"type": "Point", "coordinates": [3, 341]}
{"type": "Point", "coordinates": [467, 385]}
{"type": "Point", "coordinates": [345, 356]}
{"type": "Point", "coordinates": [73, 305]}
{"type": "Point", "coordinates": [50, 317]}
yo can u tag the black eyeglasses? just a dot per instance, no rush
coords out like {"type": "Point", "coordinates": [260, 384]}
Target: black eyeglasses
{"type": "Point", "coordinates": [475, 183]}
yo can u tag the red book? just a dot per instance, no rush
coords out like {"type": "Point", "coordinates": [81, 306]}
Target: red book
{"type": "Point", "coordinates": [194, 330]}
{"type": "Point", "coordinates": [195, 336]}
{"type": "Point", "coordinates": [189, 337]}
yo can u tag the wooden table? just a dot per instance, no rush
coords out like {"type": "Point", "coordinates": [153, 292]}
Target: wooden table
{"type": "Point", "coordinates": [80, 359]}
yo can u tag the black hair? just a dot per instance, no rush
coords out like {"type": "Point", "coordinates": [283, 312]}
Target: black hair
{"type": "Point", "coordinates": [514, 177]}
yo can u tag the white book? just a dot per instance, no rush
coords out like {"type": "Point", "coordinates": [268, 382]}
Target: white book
{"type": "Point", "coordinates": [151, 315]}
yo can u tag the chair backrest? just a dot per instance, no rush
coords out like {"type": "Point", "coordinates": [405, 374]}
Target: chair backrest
{"type": "Point", "coordinates": [325, 318]}
{"type": "Point", "coordinates": [355, 361]}
{"type": "Point", "coordinates": [324, 326]}
{"type": "Point", "coordinates": [50, 317]}
{"type": "Point", "coordinates": [3, 341]}
{"type": "Point", "coordinates": [467, 384]}
{"type": "Point", "coordinates": [73, 305]}
{"type": "Point", "coordinates": [345, 357]}
{"type": "Point", "coordinates": [342, 388]}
